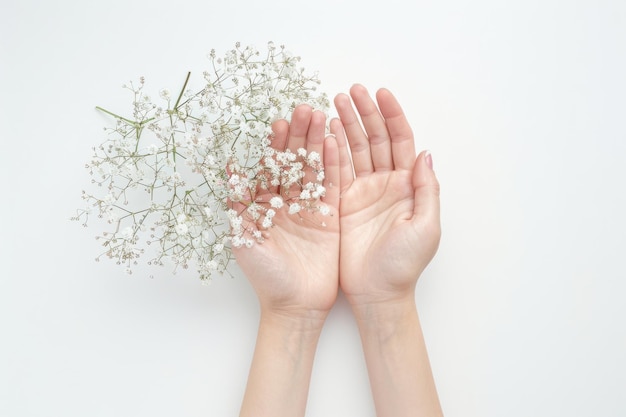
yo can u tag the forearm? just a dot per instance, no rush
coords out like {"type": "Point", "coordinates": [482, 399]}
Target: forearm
{"type": "Point", "coordinates": [280, 373]}
{"type": "Point", "coordinates": [397, 361]}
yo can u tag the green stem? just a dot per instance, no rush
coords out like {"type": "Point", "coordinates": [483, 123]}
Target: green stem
{"type": "Point", "coordinates": [182, 91]}
{"type": "Point", "coordinates": [116, 116]}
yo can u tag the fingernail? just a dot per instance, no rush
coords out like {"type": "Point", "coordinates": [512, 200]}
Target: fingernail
{"type": "Point", "coordinates": [429, 159]}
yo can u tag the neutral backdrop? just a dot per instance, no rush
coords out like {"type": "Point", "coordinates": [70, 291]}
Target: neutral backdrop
{"type": "Point", "coordinates": [523, 106]}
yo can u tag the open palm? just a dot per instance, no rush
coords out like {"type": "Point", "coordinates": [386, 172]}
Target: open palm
{"type": "Point", "coordinates": [389, 205]}
{"type": "Point", "coordinates": [295, 269]}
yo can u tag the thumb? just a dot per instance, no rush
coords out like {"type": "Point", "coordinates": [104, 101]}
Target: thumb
{"type": "Point", "coordinates": [426, 205]}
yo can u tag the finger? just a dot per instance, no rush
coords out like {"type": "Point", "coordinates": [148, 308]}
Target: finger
{"type": "Point", "coordinates": [357, 139]}
{"type": "Point", "coordinates": [402, 140]}
{"type": "Point", "coordinates": [296, 139]}
{"type": "Point", "coordinates": [315, 144]}
{"type": "Point", "coordinates": [280, 129]}
{"type": "Point", "coordinates": [332, 172]}
{"type": "Point", "coordinates": [427, 206]}
{"type": "Point", "coordinates": [375, 127]}
{"type": "Point", "coordinates": [346, 174]}
{"type": "Point", "coordinates": [298, 128]}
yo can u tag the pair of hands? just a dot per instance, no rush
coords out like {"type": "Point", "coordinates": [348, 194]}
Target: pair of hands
{"type": "Point", "coordinates": [383, 227]}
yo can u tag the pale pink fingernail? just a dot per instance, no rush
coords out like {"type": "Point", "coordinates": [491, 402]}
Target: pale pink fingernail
{"type": "Point", "coordinates": [429, 159]}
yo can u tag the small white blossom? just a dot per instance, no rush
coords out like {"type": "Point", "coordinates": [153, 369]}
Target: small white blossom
{"type": "Point", "coordinates": [320, 191]}
{"type": "Point", "coordinates": [276, 202]}
{"type": "Point", "coordinates": [165, 94]}
{"type": "Point", "coordinates": [234, 180]}
{"type": "Point", "coordinates": [313, 158]}
{"type": "Point", "coordinates": [305, 194]}
{"type": "Point", "coordinates": [238, 241]}
{"type": "Point", "coordinates": [254, 211]}
{"type": "Point", "coordinates": [267, 223]}
{"type": "Point", "coordinates": [294, 208]}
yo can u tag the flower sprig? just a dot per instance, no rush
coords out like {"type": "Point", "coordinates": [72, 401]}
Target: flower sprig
{"type": "Point", "coordinates": [166, 177]}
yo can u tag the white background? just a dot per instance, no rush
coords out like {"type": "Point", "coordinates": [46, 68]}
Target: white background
{"type": "Point", "coordinates": [523, 106]}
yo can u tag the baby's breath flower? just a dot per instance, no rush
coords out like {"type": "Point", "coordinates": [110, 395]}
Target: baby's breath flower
{"type": "Point", "coordinates": [165, 94]}
{"type": "Point", "coordinates": [305, 194]}
{"type": "Point", "coordinates": [276, 202]}
{"type": "Point", "coordinates": [320, 191]}
{"type": "Point", "coordinates": [218, 248]}
{"type": "Point", "coordinates": [267, 223]}
{"type": "Point", "coordinates": [172, 174]}
{"type": "Point", "coordinates": [295, 208]}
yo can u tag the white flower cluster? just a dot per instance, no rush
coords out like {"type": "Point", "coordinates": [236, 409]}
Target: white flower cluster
{"type": "Point", "coordinates": [172, 175]}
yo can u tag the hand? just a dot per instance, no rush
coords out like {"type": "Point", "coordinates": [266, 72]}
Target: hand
{"type": "Point", "coordinates": [295, 270]}
{"type": "Point", "coordinates": [389, 233]}
{"type": "Point", "coordinates": [295, 275]}
{"type": "Point", "coordinates": [390, 208]}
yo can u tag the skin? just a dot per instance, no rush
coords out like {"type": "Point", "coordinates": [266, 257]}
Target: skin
{"type": "Point", "coordinates": [390, 231]}
{"type": "Point", "coordinates": [382, 232]}
{"type": "Point", "coordinates": [295, 292]}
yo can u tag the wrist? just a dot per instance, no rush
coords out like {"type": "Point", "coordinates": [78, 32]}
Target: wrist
{"type": "Point", "coordinates": [378, 292]}
{"type": "Point", "coordinates": [293, 321]}
{"type": "Point", "coordinates": [280, 373]}
{"type": "Point", "coordinates": [397, 359]}
{"type": "Point", "coordinates": [387, 311]}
